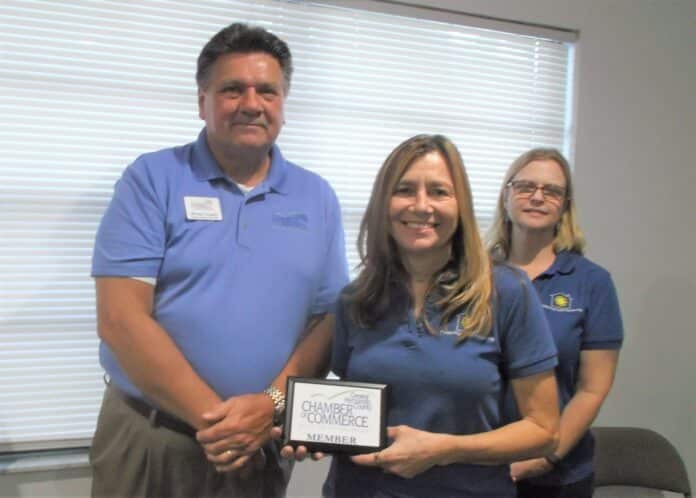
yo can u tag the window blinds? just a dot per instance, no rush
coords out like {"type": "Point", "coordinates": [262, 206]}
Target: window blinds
{"type": "Point", "coordinates": [87, 85]}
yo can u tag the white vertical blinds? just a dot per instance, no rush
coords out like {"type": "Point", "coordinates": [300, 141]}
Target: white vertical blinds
{"type": "Point", "coordinates": [87, 85]}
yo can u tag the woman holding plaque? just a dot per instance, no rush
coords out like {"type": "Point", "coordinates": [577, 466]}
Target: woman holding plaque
{"type": "Point", "coordinates": [429, 316]}
{"type": "Point", "coordinates": [535, 229]}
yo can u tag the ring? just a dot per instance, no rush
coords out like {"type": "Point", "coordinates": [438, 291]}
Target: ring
{"type": "Point", "coordinates": [228, 453]}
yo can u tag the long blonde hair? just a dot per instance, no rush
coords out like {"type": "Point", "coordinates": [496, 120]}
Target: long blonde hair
{"type": "Point", "coordinates": [569, 236]}
{"type": "Point", "coordinates": [373, 294]}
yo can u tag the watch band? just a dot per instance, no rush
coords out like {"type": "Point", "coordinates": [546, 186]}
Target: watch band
{"type": "Point", "coordinates": [278, 399]}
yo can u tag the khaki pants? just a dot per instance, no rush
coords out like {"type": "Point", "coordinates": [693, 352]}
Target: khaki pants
{"type": "Point", "coordinates": [131, 458]}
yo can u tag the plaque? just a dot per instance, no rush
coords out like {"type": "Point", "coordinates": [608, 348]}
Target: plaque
{"type": "Point", "coordinates": [335, 416]}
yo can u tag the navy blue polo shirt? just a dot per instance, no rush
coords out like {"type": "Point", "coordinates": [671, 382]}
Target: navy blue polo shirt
{"type": "Point", "coordinates": [439, 385]}
{"type": "Point", "coordinates": [238, 275]}
{"type": "Point", "coordinates": [581, 306]}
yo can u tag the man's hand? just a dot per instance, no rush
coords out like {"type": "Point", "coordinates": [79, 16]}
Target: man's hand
{"type": "Point", "coordinates": [244, 465]}
{"type": "Point", "coordinates": [239, 427]}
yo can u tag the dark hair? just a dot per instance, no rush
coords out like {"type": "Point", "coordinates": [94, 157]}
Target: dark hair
{"type": "Point", "coordinates": [242, 38]}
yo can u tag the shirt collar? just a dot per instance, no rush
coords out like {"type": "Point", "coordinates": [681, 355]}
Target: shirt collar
{"type": "Point", "coordinates": [277, 175]}
{"type": "Point", "coordinates": [206, 168]}
{"type": "Point", "coordinates": [563, 264]}
{"type": "Point", "coordinates": [448, 275]}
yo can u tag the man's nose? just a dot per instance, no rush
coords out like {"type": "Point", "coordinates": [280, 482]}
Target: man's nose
{"type": "Point", "coordinates": [250, 101]}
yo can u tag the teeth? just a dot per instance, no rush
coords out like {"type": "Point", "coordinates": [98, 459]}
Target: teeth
{"type": "Point", "coordinates": [414, 224]}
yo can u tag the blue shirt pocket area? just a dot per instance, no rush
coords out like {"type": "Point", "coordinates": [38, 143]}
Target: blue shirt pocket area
{"type": "Point", "coordinates": [291, 220]}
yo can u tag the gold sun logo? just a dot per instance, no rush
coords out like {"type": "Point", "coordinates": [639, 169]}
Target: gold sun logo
{"type": "Point", "coordinates": [560, 301]}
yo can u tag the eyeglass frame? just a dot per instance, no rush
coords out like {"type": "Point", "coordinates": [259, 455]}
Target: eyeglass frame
{"type": "Point", "coordinates": [544, 187]}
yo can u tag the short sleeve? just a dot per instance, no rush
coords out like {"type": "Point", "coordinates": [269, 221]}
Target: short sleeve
{"type": "Point", "coordinates": [131, 236]}
{"type": "Point", "coordinates": [603, 326]}
{"type": "Point", "coordinates": [528, 346]}
{"type": "Point", "coordinates": [340, 351]}
{"type": "Point", "coordinates": [335, 274]}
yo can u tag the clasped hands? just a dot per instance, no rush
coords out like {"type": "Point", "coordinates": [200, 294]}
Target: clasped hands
{"type": "Point", "coordinates": [238, 428]}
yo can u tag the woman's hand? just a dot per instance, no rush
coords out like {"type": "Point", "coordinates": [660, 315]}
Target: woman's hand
{"type": "Point", "coordinates": [529, 468]}
{"type": "Point", "coordinates": [412, 452]}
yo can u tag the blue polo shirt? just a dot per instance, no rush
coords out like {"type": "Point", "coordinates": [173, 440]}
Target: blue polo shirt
{"type": "Point", "coordinates": [238, 275]}
{"type": "Point", "coordinates": [439, 385]}
{"type": "Point", "coordinates": [581, 306]}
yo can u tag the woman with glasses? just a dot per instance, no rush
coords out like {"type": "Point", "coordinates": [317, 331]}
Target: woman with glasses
{"type": "Point", "coordinates": [429, 316]}
{"type": "Point", "coordinates": [535, 229]}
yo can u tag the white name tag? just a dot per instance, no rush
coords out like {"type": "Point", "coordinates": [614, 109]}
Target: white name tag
{"type": "Point", "coordinates": [203, 208]}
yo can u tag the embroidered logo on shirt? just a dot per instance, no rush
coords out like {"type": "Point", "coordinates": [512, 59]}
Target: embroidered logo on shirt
{"type": "Point", "coordinates": [459, 328]}
{"type": "Point", "coordinates": [458, 325]}
{"type": "Point", "coordinates": [296, 220]}
{"type": "Point", "coordinates": [455, 327]}
{"type": "Point", "coordinates": [560, 301]}
{"type": "Point", "coordinates": [461, 318]}
{"type": "Point", "coordinates": [449, 332]}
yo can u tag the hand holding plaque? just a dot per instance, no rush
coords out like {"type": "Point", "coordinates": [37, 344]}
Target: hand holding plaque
{"type": "Point", "coordinates": [335, 416]}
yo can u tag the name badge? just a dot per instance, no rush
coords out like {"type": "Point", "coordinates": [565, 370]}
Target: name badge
{"type": "Point", "coordinates": [335, 416]}
{"type": "Point", "coordinates": [202, 208]}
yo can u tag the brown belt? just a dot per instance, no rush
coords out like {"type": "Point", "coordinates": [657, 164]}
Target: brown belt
{"type": "Point", "coordinates": [155, 416]}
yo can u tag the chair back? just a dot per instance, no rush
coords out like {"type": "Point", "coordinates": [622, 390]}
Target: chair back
{"type": "Point", "coordinates": [630, 456]}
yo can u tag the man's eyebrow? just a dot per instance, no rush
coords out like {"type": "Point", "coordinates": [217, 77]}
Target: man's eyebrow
{"type": "Point", "coordinates": [267, 85]}
{"type": "Point", "coordinates": [243, 84]}
{"type": "Point", "coordinates": [231, 83]}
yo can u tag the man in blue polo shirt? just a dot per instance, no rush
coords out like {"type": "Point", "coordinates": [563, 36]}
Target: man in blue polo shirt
{"type": "Point", "coordinates": [217, 265]}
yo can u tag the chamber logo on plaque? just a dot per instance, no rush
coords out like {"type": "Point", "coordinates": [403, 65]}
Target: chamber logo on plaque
{"type": "Point", "coordinates": [335, 416]}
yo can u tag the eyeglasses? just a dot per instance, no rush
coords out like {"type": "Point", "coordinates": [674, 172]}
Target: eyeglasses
{"type": "Point", "coordinates": [525, 188]}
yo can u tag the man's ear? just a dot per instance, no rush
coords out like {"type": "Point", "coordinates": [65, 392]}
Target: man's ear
{"type": "Point", "coordinates": [201, 102]}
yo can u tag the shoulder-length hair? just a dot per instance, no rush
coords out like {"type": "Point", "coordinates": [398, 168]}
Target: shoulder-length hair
{"type": "Point", "coordinates": [569, 236]}
{"type": "Point", "coordinates": [383, 277]}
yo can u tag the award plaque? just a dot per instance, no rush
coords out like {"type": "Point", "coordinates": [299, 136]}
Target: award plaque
{"type": "Point", "coordinates": [335, 416]}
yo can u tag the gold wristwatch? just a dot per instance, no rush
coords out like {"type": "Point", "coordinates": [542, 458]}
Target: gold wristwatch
{"type": "Point", "coordinates": [278, 399]}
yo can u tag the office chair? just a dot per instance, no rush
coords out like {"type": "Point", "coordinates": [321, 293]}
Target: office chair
{"type": "Point", "coordinates": [629, 456]}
